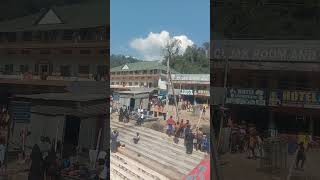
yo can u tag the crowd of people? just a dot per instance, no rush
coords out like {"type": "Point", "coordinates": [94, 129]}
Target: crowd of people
{"type": "Point", "coordinates": [246, 139]}
{"type": "Point", "coordinates": [193, 138]}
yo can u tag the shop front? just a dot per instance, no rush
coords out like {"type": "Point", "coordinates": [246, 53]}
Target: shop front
{"type": "Point", "coordinates": [286, 111]}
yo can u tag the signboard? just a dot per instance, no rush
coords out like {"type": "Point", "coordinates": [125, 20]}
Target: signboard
{"type": "Point", "coordinates": [186, 92]}
{"type": "Point", "coordinates": [267, 50]}
{"type": "Point", "coordinates": [202, 93]}
{"type": "Point", "coordinates": [294, 98]}
{"type": "Point", "coordinates": [246, 97]}
{"type": "Point", "coordinates": [20, 111]}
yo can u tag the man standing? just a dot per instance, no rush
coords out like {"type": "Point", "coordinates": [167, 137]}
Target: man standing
{"type": "Point", "coordinates": [121, 115]}
{"type": "Point", "coordinates": [188, 140]}
{"type": "Point", "coordinates": [170, 123]}
{"type": "Point", "coordinates": [114, 141]}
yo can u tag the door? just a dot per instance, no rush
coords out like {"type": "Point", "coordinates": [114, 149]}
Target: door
{"type": "Point", "coordinates": [132, 104]}
{"type": "Point", "coordinates": [71, 134]}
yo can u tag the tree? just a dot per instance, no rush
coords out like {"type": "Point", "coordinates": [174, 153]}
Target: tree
{"type": "Point", "coordinates": [171, 51]}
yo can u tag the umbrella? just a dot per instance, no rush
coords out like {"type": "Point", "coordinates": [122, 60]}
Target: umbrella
{"type": "Point", "coordinates": [200, 172]}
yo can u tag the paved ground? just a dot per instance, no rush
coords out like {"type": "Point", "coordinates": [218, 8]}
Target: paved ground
{"type": "Point", "coordinates": [237, 166]}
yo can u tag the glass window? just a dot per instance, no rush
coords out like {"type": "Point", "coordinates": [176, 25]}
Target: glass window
{"type": "Point", "coordinates": [84, 69]}
{"type": "Point", "coordinates": [8, 69]}
{"type": "Point", "coordinates": [65, 70]}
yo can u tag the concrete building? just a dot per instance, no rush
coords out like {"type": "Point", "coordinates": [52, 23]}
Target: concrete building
{"type": "Point", "coordinates": [150, 74]}
{"type": "Point", "coordinates": [269, 83]}
{"type": "Point", "coordinates": [192, 87]}
{"type": "Point", "coordinates": [61, 43]}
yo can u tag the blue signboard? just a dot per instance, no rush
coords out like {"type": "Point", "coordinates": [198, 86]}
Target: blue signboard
{"type": "Point", "coordinates": [20, 112]}
{"type": "Point", "coordinates": [246, 96]}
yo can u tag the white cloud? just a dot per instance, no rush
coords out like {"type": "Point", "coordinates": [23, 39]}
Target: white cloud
{"type": "Point", "coordinates": [151, 46]}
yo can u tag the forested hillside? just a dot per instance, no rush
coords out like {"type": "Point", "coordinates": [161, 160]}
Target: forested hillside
{"type": "Point", "coordinates": [195, 60]}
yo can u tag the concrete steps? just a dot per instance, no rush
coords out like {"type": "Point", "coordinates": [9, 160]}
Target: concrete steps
{"type": "Point", "coordinates": [139, 170]}
{"type": "Point", "coordinates": [155, 135]}
{"type": "Point", "coordinates": [155, 150]}
{"type": "Point", "coordinates": [162, 147]}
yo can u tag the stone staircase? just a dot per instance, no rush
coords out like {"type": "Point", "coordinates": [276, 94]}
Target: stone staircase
{"type": "Point", "coordinates": [156, 156]}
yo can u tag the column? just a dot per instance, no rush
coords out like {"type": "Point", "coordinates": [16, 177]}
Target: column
{"type": "Point", "coordinates": [311, 126]}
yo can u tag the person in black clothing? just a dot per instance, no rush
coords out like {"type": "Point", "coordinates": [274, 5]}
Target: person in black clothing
{"type": "Point", "coordinates": [37, 165]}
{"type": "Point", "coordinates": [189, 140]}
{"type": "Point", "coordinates": [121, 115]}
{"type": "Point", "coordinates": [301, 156]}
{"type": "Point", "coordinates": [51, 165]}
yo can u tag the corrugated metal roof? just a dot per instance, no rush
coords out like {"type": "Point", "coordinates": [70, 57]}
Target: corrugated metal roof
{"type": "Point", "coordinates": [65, 96]}
{"type": "Point", "coordinates": [83, 111]}
{"type": "Point", "coordinates": [142, 65]}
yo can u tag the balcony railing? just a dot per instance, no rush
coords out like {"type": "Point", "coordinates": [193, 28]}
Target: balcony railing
{"type": "Point", "coordinates": [53, 44]}
{"type": "Point", "coordinates": [42, 77]}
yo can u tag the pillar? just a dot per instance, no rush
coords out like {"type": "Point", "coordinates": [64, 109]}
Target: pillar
{"type": "Point", "coordinates": [311, 126]}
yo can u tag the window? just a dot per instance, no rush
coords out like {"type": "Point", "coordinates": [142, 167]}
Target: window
{"type": "Point", "coordinates": [25, 51]}
{"type": "Point", "coordinates": [112, 83]}
{"type": "Point", "coordinates": [104, 51]}
{"type": "Point", "coordinates": [155, 71]}
{"type": "Point", "coordinates": [84, 69]}
{"type": "Point", "coordinates": [11, 51]}
{"type": "Point", "coordinates": [24, 68]}
{"type": "Point", "coordinates": [67, 35]}
{"type": "Point", "coordinates": [65, 71]}
{"type": "Point", "coordinates": [52, 35]}
{"type": "Point", "coordinates": [66, 51]}
{"type": "Point", "coordinates": [85, 51]}
{"type": "Point", "coordinates": [102, 70]}
{"type": "Point", "coordinates": [145, 72]}
{"type": "Point", "coordinates": [130, 83]}
{"type": "Point", "coordinates": [27, 36]}
{"type": "Point", "coordinates": [136, 84]}
{"type": "Point", "coordinates": [8, 69]}
{"type": "Point", "coordinates": [11, 37]}
{"type": "Point", "coordinates": [45, 51]}
{"type": "Point", "coordinates": [131, 72]}
{"type": "Point", "coordinates": [36, 36]}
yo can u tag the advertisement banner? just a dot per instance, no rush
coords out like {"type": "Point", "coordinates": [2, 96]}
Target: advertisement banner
{"type": "Point", "coordinates": [294, 98]}
{"type": "Point", "coordinates": [246, 96]}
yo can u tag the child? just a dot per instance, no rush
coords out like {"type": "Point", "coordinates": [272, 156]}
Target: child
{"type": "Point", "coordinates": [136, 138]}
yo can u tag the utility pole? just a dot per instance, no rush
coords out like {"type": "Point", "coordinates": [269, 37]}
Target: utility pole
{"type": "Point", "coordinates": [223, 102]}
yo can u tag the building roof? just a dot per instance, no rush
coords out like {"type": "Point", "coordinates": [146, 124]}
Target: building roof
{"type": "Point", "coordinates": [143, 65]}
{"type": "Point", "coordinates": [77, 97]}
{"type": "Point", "coordinates": [76, 16]}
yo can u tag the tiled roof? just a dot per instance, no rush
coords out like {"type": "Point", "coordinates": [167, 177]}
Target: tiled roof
{"type": "Point", "coordinates": [84, 15]}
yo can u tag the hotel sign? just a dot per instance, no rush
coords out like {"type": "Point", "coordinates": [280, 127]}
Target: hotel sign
{"type": "Point", "coordinates": [293, 98]}
{"type": "Point", "coordinates": [246, 97]}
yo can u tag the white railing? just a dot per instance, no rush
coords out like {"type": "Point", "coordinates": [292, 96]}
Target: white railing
{"type": "Point", "coordinates": [38, 77]}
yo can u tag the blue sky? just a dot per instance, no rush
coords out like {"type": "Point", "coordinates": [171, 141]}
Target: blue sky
{"type": "Point", "coordinates": [132, 19]}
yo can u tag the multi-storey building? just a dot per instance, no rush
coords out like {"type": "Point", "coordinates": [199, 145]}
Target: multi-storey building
{"type": "Point", "coordinates": [67, 43]}
{"type": "Point", "coordinates": [150, 74]}
{"type": "Point", "coordinates": [269, 75]}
